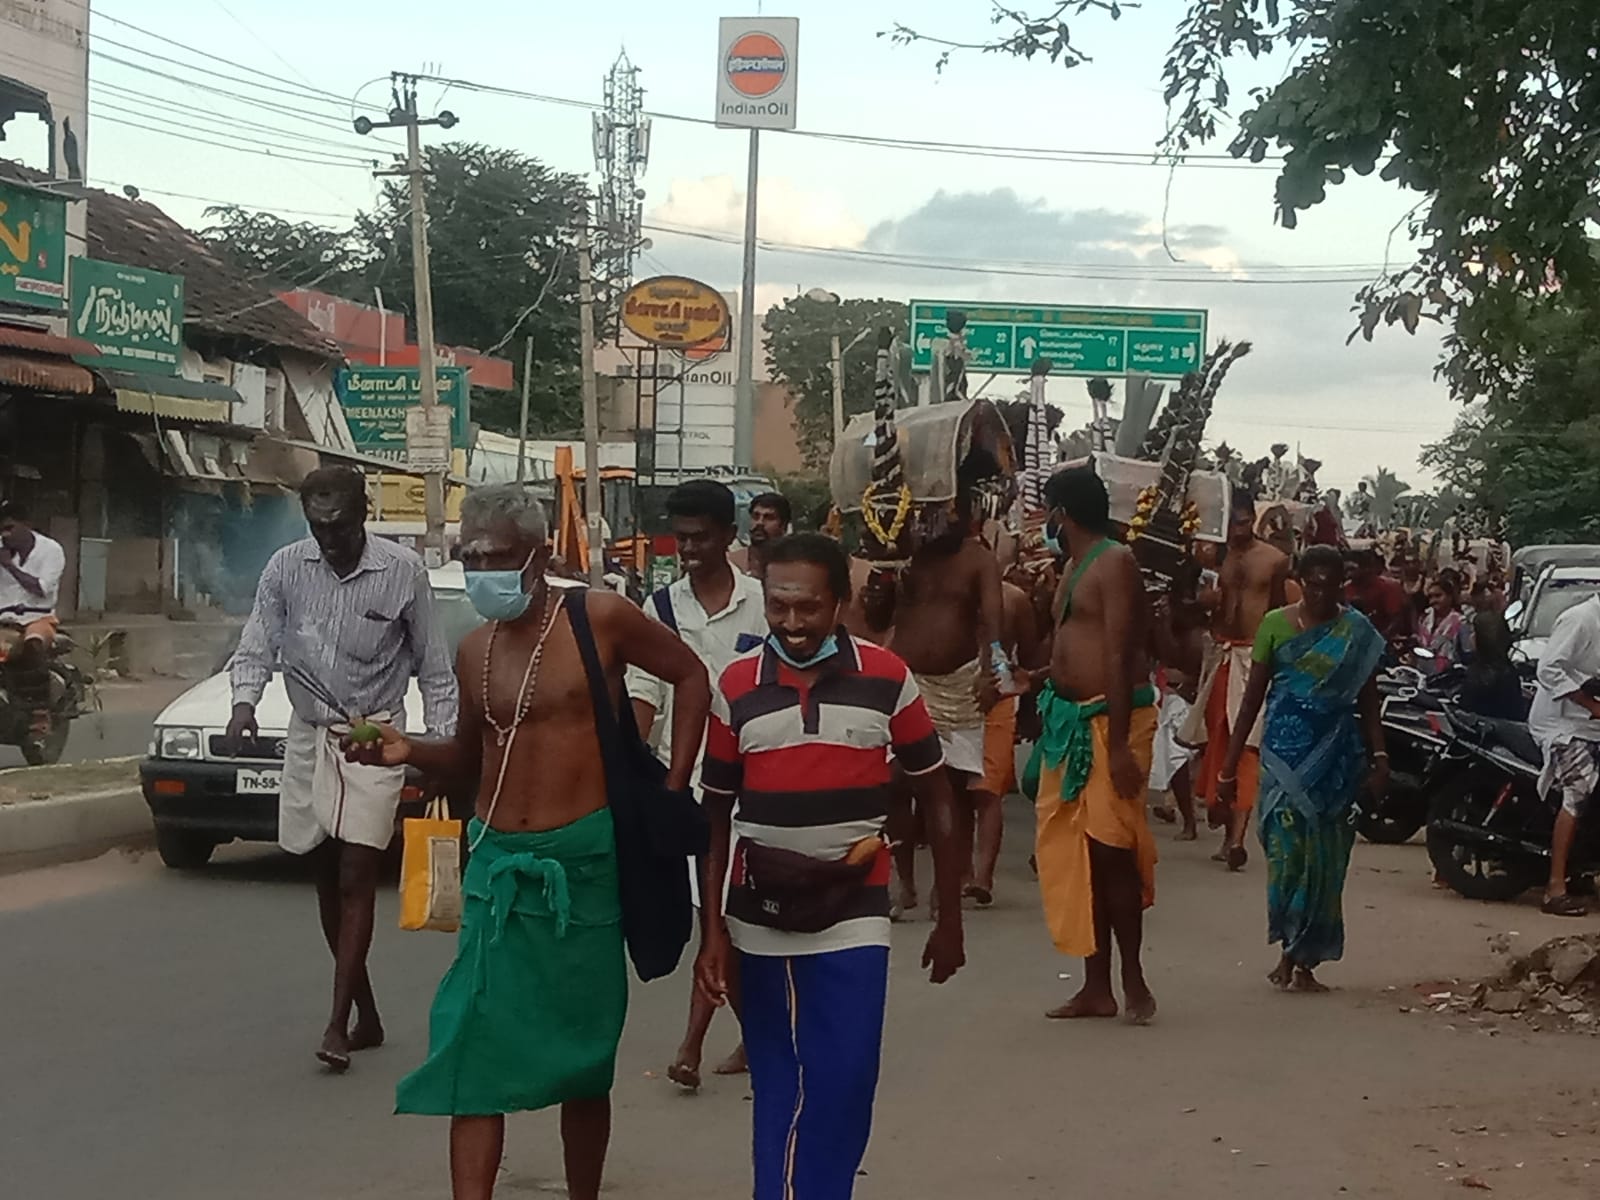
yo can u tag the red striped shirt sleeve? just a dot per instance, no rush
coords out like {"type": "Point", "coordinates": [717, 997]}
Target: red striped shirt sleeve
{"type": "Point", "coordinates": [722, 768]}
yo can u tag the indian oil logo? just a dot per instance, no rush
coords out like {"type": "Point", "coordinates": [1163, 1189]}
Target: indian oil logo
{"type": "Point", "coordinates": [757, 65]}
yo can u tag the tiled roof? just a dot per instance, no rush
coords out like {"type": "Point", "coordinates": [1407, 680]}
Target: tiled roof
{"type": "Point", "coordinates": [218, 298]}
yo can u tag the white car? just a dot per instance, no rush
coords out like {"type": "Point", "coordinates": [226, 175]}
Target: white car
{"type": "Point", "coordinates": [202, 794]}
{"type": "Point", "coordinates": [1557, 589]}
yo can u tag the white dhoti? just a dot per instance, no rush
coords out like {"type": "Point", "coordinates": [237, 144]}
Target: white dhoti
{"type": "Point", "coordinates": [322, 796]}
{"type": "Point", "coordinates": [952, 702]}
{"type": "Point", "coordinates": [1169, 756]}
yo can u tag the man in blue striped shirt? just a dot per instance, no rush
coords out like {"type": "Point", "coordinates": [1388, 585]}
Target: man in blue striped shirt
{"type": "Point", "coordinates": [349, 618]}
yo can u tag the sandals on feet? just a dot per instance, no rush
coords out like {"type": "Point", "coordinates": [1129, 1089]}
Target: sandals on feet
{"type": "Point", "coordinates": [1564, 906]}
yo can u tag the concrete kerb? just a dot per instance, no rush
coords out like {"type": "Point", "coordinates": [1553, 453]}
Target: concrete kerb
{"type": "Point", "coordinates": [45, 825]}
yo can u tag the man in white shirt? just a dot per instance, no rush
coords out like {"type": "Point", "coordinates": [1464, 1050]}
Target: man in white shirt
{"type": "Point", "coordinates": [31, 566]}
{"type": "Point", "coordinates": [1565, 720]}
{"type": "Point", "coordinates": [719, 613]}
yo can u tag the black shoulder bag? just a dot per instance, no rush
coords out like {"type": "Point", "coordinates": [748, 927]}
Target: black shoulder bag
{"type": "Point", "coordinates": [658, 830]}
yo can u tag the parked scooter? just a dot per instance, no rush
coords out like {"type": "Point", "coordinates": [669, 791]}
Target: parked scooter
{"type": "Point", "coordinates": [1416, 731]}
{"type": "Point", "coordinates": [1490, 829]}
{"type": "Point", "coordinates": [70, 698]}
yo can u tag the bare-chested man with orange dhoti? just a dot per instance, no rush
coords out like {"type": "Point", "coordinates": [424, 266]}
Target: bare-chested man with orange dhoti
{"type": "Point", "coordinates": [1252, 583]}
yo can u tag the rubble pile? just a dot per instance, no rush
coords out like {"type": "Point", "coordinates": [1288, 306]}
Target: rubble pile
{"type": "Point", "coordinates": [1556, 986]}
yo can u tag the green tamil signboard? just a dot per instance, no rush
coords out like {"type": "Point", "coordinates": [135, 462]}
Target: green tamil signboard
{"type": "Point", "coordinates": [375, 401]}
{"type": "Point", "coordinates": [133, 316]}
{"type": "Point", "coordinates": [33, 247]}
{"type": "Point", "coordinates": [1007, 338]}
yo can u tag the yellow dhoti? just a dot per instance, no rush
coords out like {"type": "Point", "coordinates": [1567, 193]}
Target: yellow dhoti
{"type": "Point", "coordinates": [1064, 829]}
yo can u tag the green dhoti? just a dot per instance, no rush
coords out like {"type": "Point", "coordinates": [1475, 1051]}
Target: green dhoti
{"type": "Point", "coordinates": [531, 1011]}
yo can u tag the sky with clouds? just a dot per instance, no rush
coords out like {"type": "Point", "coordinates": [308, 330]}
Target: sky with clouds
{"type": "Point", "coordinates": [1068, 232]}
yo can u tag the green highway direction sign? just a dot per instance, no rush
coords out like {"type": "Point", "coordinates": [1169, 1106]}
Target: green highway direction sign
{"type": "Point", "coordinates": [1007, 338]}
{"type": "Point", "coordinates": [375, 401]}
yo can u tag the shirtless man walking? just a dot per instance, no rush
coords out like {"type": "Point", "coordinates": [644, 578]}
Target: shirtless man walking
{"type": "Point", "coordinates": [530, 1014]}
{"type": "Point", "coordinates": [1252, 582]}
{"type": "Point", "coordinates": [1091, 764]}
{"type": "Point", "coordinates": [947, 613]}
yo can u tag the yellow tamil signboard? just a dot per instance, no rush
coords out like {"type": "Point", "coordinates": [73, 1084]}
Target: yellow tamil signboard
{"type": "Point", "coordinates": [673, 311]}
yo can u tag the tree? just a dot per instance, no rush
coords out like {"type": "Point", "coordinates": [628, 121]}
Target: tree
{"type": "Point", "coordinates": [502, 246]}
{"type": "Point", "coordinates": [799, 332]}
{"type": "Point", "coordinates": [1532, 453]}
{"type": "Point", "coordinates": [1386, 488]}
{"type": "Point", "coordinates": [1489, 110]}
{"type": "Point", "coordinates": [289, 254]}
{"type": "Point", "coordinates": [808, 496]}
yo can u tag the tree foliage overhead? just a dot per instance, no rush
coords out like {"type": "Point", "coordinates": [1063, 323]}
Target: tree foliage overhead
{"type": "Point", "coordinates": [799, 335]}
{"type": "Point", "coordinates": [1533, 453]}
{"type": "Point", "coordinates": [502, 232]}
{"type": "Point", "coordinates": [1489, 109]}
{"type": "Point", "coordinates": [288, 254]}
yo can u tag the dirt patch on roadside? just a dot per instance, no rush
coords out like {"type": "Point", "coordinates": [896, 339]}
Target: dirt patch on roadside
{"type": "Point", "coordinates": [21, 784]}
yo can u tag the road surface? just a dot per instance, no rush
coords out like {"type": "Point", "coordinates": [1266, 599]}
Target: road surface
{"type": "Point", "coordinates": [122, 728]}
{"type": "Point", "coordinates": [158, 1032]}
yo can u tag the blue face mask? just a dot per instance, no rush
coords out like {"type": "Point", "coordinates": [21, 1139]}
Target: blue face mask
{"type": "Point", "coordinates": [1052, 541]}
{"type": "Point", "coordinates": [498, 595]}
{"type": "Point", "coordinates": [829, 647]}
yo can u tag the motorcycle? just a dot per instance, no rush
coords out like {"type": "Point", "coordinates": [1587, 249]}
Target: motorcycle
{"type": "Point", "coordinates": [1416, 731]}
{"type": "Point", "coordinates": [71, 693]}
{"type": "Point", "coordinates": [1490, 828]}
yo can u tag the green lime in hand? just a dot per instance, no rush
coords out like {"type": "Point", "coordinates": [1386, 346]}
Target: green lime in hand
{"type": "Point", "coordinates": [365, 733]}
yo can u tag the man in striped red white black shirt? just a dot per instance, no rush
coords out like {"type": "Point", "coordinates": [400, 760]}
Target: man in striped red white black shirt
{"type": "Point", "coordinates": [799, 735]}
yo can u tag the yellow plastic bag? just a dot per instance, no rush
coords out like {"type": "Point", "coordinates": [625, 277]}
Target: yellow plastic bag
{"type": "Point", "coordinates": [430, 871]}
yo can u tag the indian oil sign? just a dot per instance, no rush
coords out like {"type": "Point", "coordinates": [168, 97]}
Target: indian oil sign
{"type": "Point", "coordinates": [672, 311]}
{"type": "Point", "coordinates": [756, 72]}
{"type": "Point", "coordinates": [133, 316]}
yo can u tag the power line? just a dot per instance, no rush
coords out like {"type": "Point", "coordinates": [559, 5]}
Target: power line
{"type": "Point", "coordinates": [218, 201]}
{"type": "Point", "coordinates": [118, 90]}
{"type": "Point", "coordinates": [348, 165]}
{"type": "Point", "coordinates": [203, 122]}
{"type": "Point", "coordinates": [315, 95]}
{"type": "Point", "coordinates": [965, 149]}
{"type": "Point", "coordinates": [976, 267]}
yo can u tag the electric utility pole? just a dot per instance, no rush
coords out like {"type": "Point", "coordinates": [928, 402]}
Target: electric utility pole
{"type": "Point", "coordinates": [403, 113]}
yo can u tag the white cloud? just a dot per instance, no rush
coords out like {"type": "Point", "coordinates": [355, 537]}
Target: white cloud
{"type": "Point", "coordinates": [785, 212]}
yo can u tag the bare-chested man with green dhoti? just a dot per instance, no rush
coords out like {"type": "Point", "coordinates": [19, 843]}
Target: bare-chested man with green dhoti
{"type": "Point", "coordinates": [530, 1014]}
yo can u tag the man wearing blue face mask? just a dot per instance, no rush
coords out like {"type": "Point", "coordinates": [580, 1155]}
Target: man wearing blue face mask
{"type": "Point", "coordinates": [530, 1015]}
{"type": "Point", "coordinates": [799, 734]}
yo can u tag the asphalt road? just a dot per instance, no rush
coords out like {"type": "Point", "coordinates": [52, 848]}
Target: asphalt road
{"type": "Point", "coordinates": [158, 1030]}
{"type": "Point", "coordinates": [121, 729]}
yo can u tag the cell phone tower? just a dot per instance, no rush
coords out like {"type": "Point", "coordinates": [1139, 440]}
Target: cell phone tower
{"type": "Point", "coordinates": [621, 151]}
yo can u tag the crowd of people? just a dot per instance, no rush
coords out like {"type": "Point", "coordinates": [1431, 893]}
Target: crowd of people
{"type": "Point", "coordinates": [830, 718]}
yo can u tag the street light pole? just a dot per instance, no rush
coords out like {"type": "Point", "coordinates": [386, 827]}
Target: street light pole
{"type": "Point", "coordinates": [404, 114]}
{"type": "Point", "coordinates": [838, 388]}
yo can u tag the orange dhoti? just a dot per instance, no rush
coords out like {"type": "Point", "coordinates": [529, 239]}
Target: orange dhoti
{"type": "Point", "coordinates": [1065, 828]}
{"type": "Point", "coordinates": [1223, 677]}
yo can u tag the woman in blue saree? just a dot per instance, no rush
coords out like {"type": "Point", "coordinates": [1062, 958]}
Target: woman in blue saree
{"type": "Point", "coordinates": [1315, 667]}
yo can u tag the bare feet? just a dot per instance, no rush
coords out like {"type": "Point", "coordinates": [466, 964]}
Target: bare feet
{"type": "Point", "coordinates": [1141, 1007]}
{"type": "Point", "coordinates": [1237, 857]}
{"type": "Point", "coordinates": [982, 896]}
{"type": "Point", "coordinates": [334, 1053]}
{"type": "Point", "coordinates": [1164, 813]}
{"type": "Point", "coordinates": [1305, 981]}
{"type": "Point", "coordinates": [367, 1035]}
{"type": "Point", "coordinates": [734, 1064]}
{"type": "Point", "coordinates": [686, 1075]}
{"type": "Point", "coordinates": [1187, 834]}
{"type": "Point", "coordinates": [1101, 1004]}
{"type": "Point", "coordinates": [1282, 974]}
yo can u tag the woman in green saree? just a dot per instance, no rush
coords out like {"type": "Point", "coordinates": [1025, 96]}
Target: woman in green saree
{"type": "Point", "coordinates": [1315, 665]}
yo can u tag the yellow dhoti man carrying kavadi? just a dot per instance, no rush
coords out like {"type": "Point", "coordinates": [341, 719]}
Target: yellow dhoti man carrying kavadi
{"type": "Point", "coordinates": [1069, 778]}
